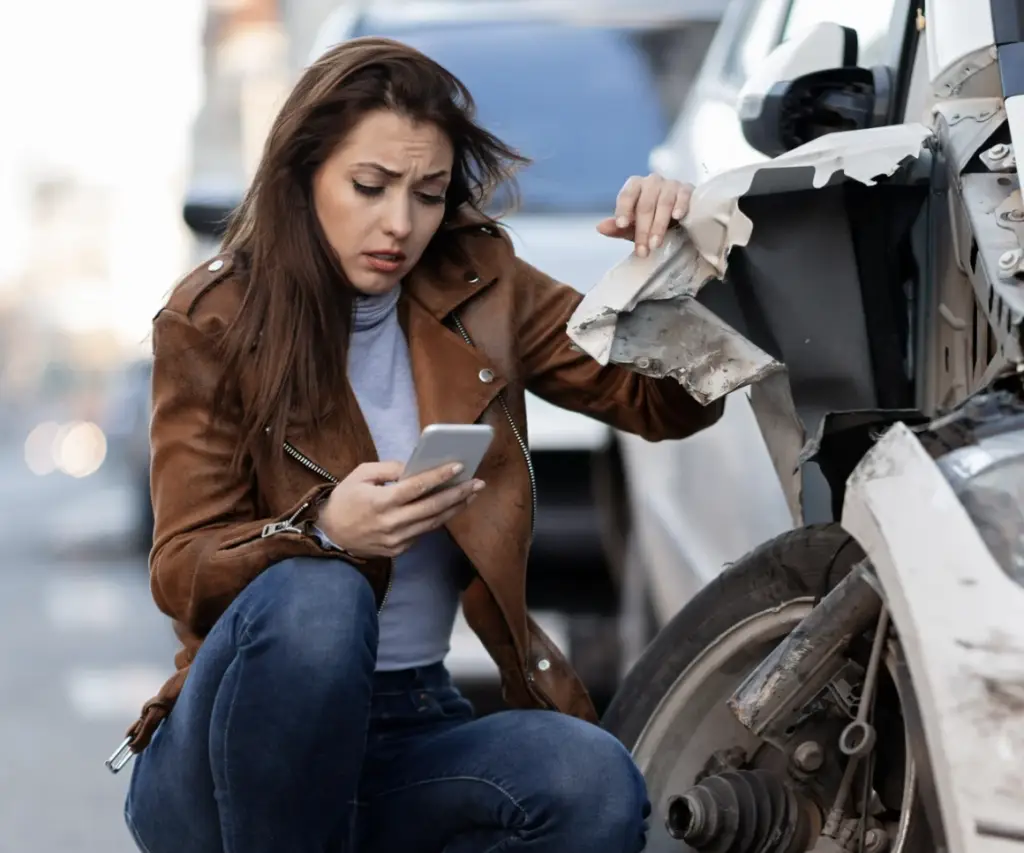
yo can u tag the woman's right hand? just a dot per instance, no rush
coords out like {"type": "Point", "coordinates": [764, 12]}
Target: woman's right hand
{"type": "Point", "coordinates": [369, 514]}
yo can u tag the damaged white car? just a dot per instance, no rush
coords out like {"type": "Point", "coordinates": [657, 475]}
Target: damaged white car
{"type": "Point", "coordinates": [857, 684]}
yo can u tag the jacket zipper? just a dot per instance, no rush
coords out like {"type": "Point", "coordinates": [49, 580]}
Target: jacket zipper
{"type": "Point", "coordinates": [525, 448]}
{"type": "Point", "coordinates": [300, 457]}
{"type": "Point", "coordinates": [286, 526]}
{"type": "Point", "coordinates": [520, 440]}
{"type": "Point", "coordinates": [283, 526]}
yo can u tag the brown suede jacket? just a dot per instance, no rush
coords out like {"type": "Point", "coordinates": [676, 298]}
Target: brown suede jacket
{"type": "Point", "coordinates": [216, 531]}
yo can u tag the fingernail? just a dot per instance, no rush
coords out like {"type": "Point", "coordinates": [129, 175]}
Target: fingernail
{"type": "Point", "coordinates": [641, 251]}
{"type": "Point", "coordinates": [457, 469]}
{"type": "Point", "coordinates": [478, 485]}
{"type": "Point", "coordinates": [677, 213]}
{"type": "Point", "coordinates": [655, 241]}
{"type": "Point", "coordinates": [622, 221]}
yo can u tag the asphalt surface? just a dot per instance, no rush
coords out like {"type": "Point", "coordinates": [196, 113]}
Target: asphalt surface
{"type": "Point", "coordinates": [83, 647]}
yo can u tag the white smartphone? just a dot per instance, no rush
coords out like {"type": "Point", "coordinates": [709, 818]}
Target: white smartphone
{"type": "Point", "coordinates": [442, 444]}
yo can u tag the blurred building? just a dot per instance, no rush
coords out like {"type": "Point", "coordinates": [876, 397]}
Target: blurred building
{"type": "Point", "coordinates": [52, 334]}
{"type": "Point", "coordinates": [245, 60]}
{"type": "Point", "coordinates": [254, 50]}
{"type": "Point", "coordinates": [301, 20]}
{"type": "Point", "coordinates": [90, 182]}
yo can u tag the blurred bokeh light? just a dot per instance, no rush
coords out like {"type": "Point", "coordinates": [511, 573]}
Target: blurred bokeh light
{"type": "Point", "coordinates": [76, 449]}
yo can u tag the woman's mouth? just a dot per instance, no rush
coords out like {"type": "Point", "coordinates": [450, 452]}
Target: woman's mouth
{"type": "Point", "coordinates": [384, 261]}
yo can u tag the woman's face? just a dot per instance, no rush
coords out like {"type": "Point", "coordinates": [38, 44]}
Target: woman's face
{"type": "Point", "coordinates": [380, 197]}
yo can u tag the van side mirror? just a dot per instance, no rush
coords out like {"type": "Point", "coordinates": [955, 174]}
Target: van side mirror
{"type": "Point", "coordinates": [810, 86]}
{"type": "Point", "coordinates": [207, 215]}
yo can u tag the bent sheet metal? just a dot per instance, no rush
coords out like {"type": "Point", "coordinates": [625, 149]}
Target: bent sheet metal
{"type": "Point", "coordinates": [644, 315]}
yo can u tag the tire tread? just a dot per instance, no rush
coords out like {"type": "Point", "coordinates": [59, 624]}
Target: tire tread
{"type": "Point", "coordinates": [805, 561]}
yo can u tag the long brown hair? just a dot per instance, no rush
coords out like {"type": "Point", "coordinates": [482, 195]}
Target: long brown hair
{"type": "Point", "coordinates": [293, 327]}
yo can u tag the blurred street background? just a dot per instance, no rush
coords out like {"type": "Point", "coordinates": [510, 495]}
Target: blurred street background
{"type": "Point", "coordinates": [98, 102]}
{"type": "Point", "coordinates": [130, 129]}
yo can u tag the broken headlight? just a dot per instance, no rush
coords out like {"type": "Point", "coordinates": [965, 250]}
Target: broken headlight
{"type": "Point", "coordinates": [988, 478]}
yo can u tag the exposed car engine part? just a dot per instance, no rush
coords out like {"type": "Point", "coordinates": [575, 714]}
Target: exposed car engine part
{"type": "Point", "coordinates": [683, 735]}
{"type": "Point", "coordinates": [858, 738]}
{"type": "Point", "coordinates": [742, 811]}
{"type": "Point", "coordinates": [801, 667]}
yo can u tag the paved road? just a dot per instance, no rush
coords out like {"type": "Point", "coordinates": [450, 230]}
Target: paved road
{"type": "Point", "coordinates": [82, 644]}
{"type": "Point", "coordinates": [83, 647]}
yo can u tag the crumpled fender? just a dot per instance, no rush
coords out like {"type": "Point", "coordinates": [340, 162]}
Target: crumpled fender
{"type": "Point", "coordinates": [644, 314]}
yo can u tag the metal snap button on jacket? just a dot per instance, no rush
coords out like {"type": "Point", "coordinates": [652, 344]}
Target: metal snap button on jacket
{"type": "Point", "coordinates": [216, 265]}
{"type": "Point", "coordinates": [486, 375]}
{"type": "Point", "coordinates": [543, 664]}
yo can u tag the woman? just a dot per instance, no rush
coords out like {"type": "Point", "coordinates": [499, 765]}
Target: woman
{"type": "Point", "coordinates": [363, 293]}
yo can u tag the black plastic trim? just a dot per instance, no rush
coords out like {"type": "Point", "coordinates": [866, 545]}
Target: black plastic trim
{"type": "Point", "coordinates": [904, 59]}
{"type": "Point", "coordinates": [208, 217]}
{"type": "Point", "coordinates": [851, 47]}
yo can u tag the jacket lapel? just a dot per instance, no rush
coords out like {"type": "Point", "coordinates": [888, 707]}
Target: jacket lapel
{"type": "Point", "coordinates": [455, 382]}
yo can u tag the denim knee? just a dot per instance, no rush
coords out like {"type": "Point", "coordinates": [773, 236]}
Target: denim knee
{"type": "Point", "coordinates": [319, 613]}
{"type": "Point", "coordinates": [592, 783]}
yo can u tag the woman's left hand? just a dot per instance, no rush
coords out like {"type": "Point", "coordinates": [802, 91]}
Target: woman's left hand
{"type": "Point", "coordinates": [645, 209]}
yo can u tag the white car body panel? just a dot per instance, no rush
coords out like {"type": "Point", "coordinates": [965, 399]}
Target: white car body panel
{"type": "Point", "coordinates": [959, 619]}
{"type": "Point", "coordinates": [960, 41]}
{"type": "Point", "coordinates": [680, 493]}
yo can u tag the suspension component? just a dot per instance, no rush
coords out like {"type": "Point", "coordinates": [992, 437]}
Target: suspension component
{"type": "Point", "coordinates": [773, 696]}
{"type": "Point", "coordinates": [742, 811]}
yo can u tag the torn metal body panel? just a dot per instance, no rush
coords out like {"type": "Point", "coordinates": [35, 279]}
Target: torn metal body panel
{"type": "Point", "coordinates": [683, 339]}
{"type": "Point", "coordinates": [959, 621]}
{"type": "Point", "coordinates": [654, 315]}
{"type": "Point", "coordinates": [715, 224]}
{"type": "Point", "coordinates": [756, 230]}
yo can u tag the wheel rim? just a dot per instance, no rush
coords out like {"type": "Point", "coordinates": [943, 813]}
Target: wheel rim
{"type": "Point", "coordinates": [692, 719]}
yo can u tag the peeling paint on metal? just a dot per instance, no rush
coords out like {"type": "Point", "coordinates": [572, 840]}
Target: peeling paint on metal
{"type": "Point", "coordinates": [643, 314]}
{"type": "Point", "coordinates": [698, 253]}
{"type": "Point", "coordinates": [684, 340]}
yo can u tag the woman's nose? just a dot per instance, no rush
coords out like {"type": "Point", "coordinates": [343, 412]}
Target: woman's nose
{"type": "Point", "coordinates": [398, 219]}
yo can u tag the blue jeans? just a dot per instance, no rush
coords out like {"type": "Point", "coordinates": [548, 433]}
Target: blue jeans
{"type": "Point", "coordinates": [284, 739]}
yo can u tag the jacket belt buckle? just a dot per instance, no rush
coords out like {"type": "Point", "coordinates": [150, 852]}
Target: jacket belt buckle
{"type": "Point", "coordinates": [122, 755]}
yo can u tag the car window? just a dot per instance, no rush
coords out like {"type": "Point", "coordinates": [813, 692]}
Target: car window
{"type": "Point", "coordinates": [871, 19]}
{"type": "Point", "coordinates": [556, 92]}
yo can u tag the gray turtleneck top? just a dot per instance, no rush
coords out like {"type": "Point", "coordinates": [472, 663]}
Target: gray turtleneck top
{"type": "Point", "coordinates": [417, 620]}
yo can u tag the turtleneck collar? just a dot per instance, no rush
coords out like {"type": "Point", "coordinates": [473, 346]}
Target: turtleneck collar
{"type": "Point", "coordinates": [370, 311]}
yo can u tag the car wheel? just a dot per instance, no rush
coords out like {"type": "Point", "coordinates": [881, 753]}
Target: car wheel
{"type": "Point", "coordinates": [671, 709]}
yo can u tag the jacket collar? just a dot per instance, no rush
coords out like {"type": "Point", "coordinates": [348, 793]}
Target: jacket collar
{"type": "Point", "coordinates": [442, 286]}
{"type": "Point", "coordinates": [455, 381]}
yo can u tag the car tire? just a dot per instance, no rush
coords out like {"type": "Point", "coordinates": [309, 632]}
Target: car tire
{"type": "Point", "coordinates": [800, 563]}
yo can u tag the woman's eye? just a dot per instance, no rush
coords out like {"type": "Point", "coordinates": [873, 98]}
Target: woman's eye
{"type": "Point", "coordinates": [427, 198]}
{"type": "Point", "coordinates": [365, 190]}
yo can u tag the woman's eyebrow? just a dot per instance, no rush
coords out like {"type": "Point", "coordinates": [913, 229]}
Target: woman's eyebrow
{"type": "Point", "coordinates": [391, 173]}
